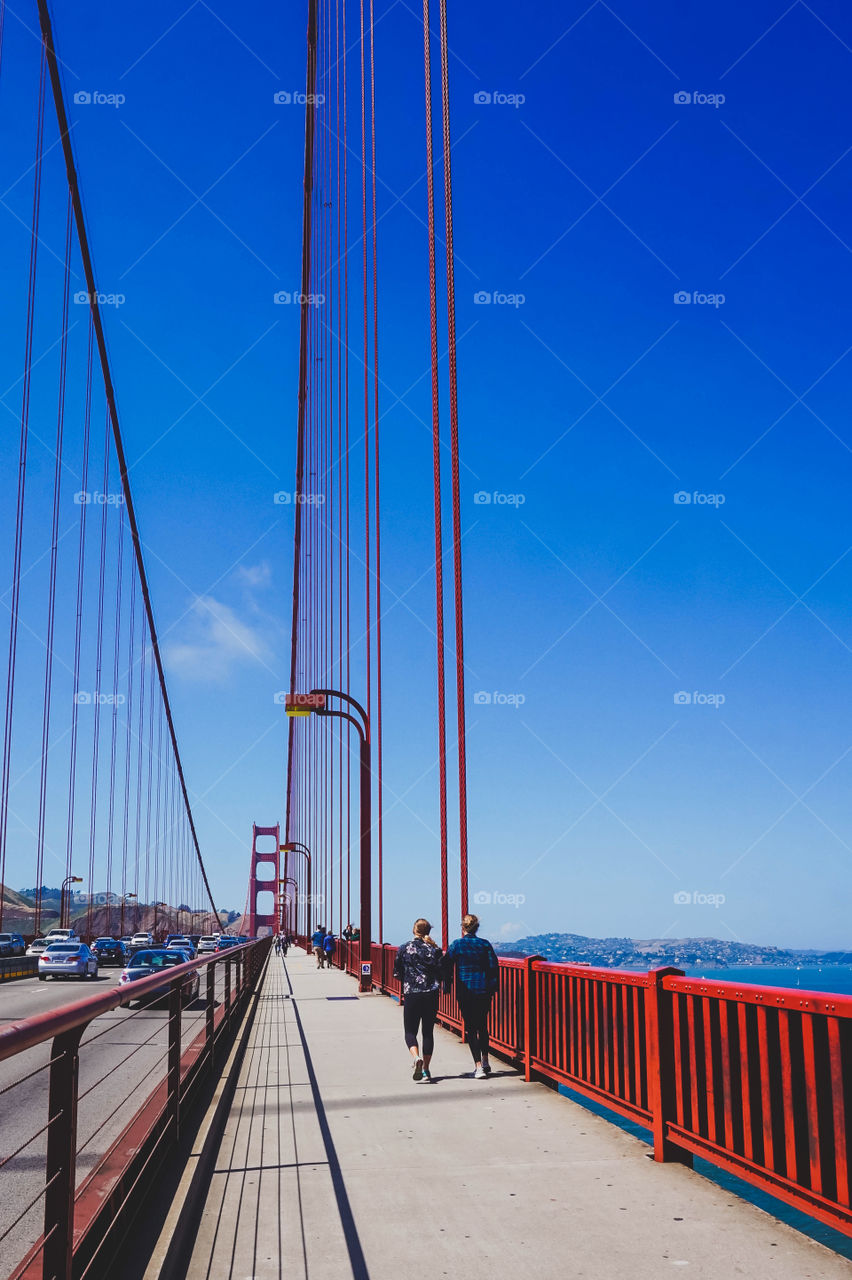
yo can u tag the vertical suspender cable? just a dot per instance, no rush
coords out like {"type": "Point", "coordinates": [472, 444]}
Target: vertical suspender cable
{"type": "Point", "coordinates": [5, 776]}
{"type": "Point", "coordinates": [51, 594]}
{"type": "Point", "coordinates": [436, 471]}
{"type": "Point", "coordinates": [85, 253]}
{"type": "Point", "coordinates": [454, 454]}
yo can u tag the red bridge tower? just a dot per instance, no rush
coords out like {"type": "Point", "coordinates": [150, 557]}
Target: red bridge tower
{"type": "Point", "coordinates": [261, 884]}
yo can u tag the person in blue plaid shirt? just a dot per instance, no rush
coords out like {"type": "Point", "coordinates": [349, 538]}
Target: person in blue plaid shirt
{"type": "Point", "coordinates": [471, 960]}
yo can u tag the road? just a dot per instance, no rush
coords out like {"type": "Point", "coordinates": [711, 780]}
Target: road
{"type": "Point", "coordinates": [122, 1059]}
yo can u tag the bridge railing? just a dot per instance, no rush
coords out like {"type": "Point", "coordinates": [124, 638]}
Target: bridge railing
{"type": "Point", "coordinates": [756, 1080]}
{"type": "Point", "coordinates": [92, 1104]}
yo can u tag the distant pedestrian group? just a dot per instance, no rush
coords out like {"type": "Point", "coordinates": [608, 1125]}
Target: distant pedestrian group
{"type": "Point", "coordinates": [323, 943]}
{"type": "Point", "coordinates": [471, 966]}
{"type": "Point", "coordinates": [282, 944]}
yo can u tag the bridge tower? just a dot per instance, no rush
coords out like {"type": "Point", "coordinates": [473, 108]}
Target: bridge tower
{"type": "Point", "coordinates": [258, 884]}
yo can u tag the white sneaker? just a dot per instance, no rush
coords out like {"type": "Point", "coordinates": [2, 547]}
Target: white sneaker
{"type": "Point", "coordinates": [486, 1066]}
{"type": "Point", "coordinates": [479, 1074]}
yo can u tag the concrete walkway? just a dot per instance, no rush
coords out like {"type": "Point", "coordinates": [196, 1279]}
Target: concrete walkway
{"type": "Point", "coordinates": [334, 1163]}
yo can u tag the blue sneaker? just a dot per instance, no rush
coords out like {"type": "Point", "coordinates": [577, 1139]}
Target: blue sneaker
{"type": "Point", "coordinates": [427, 1076]}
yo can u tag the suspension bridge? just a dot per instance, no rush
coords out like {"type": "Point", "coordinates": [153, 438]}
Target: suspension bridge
{"type": "Point", "coordinates": [259, 1124]}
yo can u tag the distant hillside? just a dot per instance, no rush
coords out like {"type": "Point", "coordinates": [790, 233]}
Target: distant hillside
{"type": "Point", "coordinates": [630, 953]}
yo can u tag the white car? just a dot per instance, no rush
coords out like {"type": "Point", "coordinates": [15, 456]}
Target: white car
{"type": "Point", "coordinates": [67, 960]}
{"type": "Point", "coordinates": [142, 940]}
{"type": "Point", "coordinates": [209, 943]}
{"type": "Point", "coordinates": [60, 935]}
{"type": "Point", "coordinates": [37, 946]}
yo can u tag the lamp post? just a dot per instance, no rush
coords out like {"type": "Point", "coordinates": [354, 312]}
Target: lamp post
{"type": "Point", "coordinates": [296, 846]}
{"type": "Point", "coordinates": [282, 900]}
{"type": "Point", "coordinates": [317, 701]}
{"type": "Point", "coordinates": [64, 897]}
{"type": "Point", "coordinates": [124, 899]}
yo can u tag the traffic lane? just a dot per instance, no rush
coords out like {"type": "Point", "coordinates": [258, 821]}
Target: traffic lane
{"type": "Point", "coordinates": [26, 997]}
{"type": "Point", "coordinates": [123, 1058]}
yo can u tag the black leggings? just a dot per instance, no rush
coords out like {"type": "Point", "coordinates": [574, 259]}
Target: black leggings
{"type": "Point", "coordinates": [422, 1007]}
{"type": "Point", "coordinates": [474, 1011]}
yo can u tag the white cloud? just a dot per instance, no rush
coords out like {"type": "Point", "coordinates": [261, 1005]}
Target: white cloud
{"type": "Point", "coordinates": [217, 641]}
{"type": "Point", "coordinates": [255, 575]}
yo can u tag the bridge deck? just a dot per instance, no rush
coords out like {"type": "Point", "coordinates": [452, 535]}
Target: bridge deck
{"type": "Point", "coordinates": [334, 1163]}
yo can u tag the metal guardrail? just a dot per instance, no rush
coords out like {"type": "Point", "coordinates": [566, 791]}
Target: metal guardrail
{"type": "Point", "coordinates": [756, 1080]}
{"type": "Point", "coordinates": [85, 1212]}
{"type": "Point", "coordinates": [12, 967]}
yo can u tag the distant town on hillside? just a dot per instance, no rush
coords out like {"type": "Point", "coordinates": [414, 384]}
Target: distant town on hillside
{"type": "Point", "coordinates": [645, 953]}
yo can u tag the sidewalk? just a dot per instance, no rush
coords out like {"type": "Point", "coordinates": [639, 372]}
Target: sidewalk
{"type": "Point", "coordinates": [334, 1163]}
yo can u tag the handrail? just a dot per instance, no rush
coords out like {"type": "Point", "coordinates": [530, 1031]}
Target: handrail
{"type": "Point", "coordinates": [751, 1078]}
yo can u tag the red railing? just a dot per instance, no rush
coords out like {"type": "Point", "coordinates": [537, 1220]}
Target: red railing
{"type": "Point", "coordinates": [82, 1149]}
{"type": "Point", "coordinates": [756, 1080]}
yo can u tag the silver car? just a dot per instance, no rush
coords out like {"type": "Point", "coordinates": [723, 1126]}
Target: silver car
{"type": "Point", "coordinates": [67, 960]}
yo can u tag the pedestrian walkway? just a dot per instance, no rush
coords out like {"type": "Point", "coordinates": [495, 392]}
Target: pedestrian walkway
{"type": "Point", "coordinates": [333, 1163]}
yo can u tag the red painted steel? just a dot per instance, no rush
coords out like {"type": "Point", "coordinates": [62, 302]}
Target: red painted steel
{"type": "Point", "coordinates": [80, 1227]}
{"type": "Point", "coordinates": [753, 1079]}
{"type": "Point", "coordinates": [268, 920]}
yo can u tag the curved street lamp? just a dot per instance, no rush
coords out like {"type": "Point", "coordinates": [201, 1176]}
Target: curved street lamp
{"type": "Point", "coordinates": [65, 899]}
{"type": "Point", "coordinates": [296, 846]}
{"type": "Point", "coordinates": [317, 701]}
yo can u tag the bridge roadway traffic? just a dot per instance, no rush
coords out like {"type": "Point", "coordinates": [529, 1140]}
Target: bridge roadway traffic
{"type": "Point", "coordinates": [333, 1163]}
{"type": "Point", "coordinates": [122, 1057]}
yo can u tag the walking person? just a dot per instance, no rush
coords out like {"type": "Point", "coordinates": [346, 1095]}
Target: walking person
{"type": "Point", "coordinates": [328, 948]}
{"type": "Point", "coordinates": [285, 943]}
{"type": "Point", "coordinates": [418, 967]}
{"type": "Point", "coordinates": [317, 940]}
{"type": "Point", "coordinates": [471, 960]}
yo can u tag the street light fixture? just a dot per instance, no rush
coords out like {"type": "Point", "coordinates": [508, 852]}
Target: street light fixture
{"type": "Point", "coordinates": [296, 846]}
{"type": "Point", "coordinates": [124, 899]}
{"type": "Point", "coordinates": [302, 704]}
{"type": "Point", "coordinates": [65, 896]}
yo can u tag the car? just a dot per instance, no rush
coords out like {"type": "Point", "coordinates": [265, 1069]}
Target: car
{"type": "Point", "coordinates": [109, 951]}
{"type": "Point", "coordinates": [37, 946]}
{"type": "Point", "coordinates": [225, 942]}
{"type": "Point", "coordinates": [67, 960]}
{"type": "Point", "coordinates": [12, 944]}
{"type": "Point", "coordinates": [208, 942]}
{"type": "Point", "coordinates": [181, 941]}
{"type": "Point", "coordinates": [157, 960]}
{"type": "Point", "coordinates": [142, 940]}
{"type": "Point", "coordinates": [61, 935]}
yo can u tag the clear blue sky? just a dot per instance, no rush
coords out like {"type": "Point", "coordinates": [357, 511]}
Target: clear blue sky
{"type": "Point", "coordinates": [598, 398]}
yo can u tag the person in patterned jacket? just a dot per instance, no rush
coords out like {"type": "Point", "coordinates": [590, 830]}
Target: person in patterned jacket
{"type": "Point", "coordinates": [418, 967]}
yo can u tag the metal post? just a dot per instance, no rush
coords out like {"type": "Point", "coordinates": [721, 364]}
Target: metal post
{"type": "Point", "coordinates": [61, 1154]}
{"type": "Point", "coordinates": [228, 991]}
{"type": "Point", "coordinates": [365, 982]}
{"type": "Point", "coordinates": [173, 1078]}
{"type": "Point", "coordinates": [210, 1010]}
{"type": "Point", "coordinates": [659, 1051]}
{"type": "Point", "coordinates": [529, 1006]}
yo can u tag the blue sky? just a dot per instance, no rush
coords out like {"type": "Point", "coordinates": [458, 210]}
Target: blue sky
{"type": "Point", "coordinates": [593, 594]}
